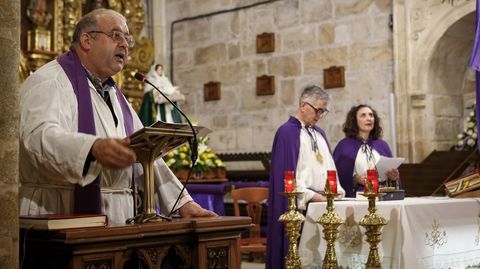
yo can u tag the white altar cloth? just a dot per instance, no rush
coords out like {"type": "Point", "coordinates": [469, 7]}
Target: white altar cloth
{"type": "Point", "coordinates": [424, 232]}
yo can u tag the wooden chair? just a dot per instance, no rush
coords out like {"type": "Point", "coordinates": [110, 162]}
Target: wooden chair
{"type": "Point", "coordinates": [255, 243]}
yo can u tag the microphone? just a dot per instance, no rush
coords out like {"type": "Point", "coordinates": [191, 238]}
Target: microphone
{"type": "Point", "coordinates": [193, 143]}
{"type": "Point", "coordinates": [367, 149]}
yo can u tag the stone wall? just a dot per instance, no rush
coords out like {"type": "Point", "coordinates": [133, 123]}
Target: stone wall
{"type": "Point", "coordinates": [310, 35]}
{"type": "Point", "coordinates": [10, 53]}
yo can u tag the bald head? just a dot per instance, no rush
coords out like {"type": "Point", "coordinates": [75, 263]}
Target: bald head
{"type": "Point", "coordinates": [89, 22]}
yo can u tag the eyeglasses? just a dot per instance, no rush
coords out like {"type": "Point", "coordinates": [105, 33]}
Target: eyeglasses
{"type": "Point", "coordinates": [118, 36]}
{"type": "Point", "coordinates": [322, 112]}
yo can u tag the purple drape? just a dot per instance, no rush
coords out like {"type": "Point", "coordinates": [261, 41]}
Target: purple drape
{"type": "Point", "coordinates": [475, 64]}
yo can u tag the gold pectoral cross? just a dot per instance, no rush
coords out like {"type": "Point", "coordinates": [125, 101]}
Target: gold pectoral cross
{"type": "Point", "coordinates": [319, 157]}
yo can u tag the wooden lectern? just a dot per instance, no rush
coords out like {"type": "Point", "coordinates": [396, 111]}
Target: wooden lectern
{"type": "Point", "coordinates": [198, 243]}
{"type": "Point", "coordinates": [151, 143]}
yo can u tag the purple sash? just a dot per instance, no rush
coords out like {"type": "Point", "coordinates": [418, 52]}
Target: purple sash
{"type": "Point", "coordinates": [87, 199]}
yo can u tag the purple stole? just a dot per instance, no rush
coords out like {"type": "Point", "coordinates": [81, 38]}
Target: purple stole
{"type": "Point", "coordinates": [285, 150]}
{"type": "Point", "coordinates": [345, 155]}
{"type": "Point", "coordinates": [87, 200]}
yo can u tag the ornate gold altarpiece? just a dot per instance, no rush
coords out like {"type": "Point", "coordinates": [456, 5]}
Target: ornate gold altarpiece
{"type": "Point", "coordinates": [47, 29]}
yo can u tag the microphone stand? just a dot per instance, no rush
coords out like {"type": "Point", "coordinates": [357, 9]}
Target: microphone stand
{"type": "Point", "coordinates": [371, 158]}
{"type": "Point", "coordinates": [193, 143]}
{"type": "Point", "coordinates": [369, 153]}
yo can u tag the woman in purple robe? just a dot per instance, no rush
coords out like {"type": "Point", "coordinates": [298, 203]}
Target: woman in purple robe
{"type": "Point", "coordinates": [360, 150]}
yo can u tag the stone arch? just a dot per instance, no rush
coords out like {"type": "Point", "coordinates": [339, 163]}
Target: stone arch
{"type": "Point", "coordinates": [420, 30]}
{"type": "Point", "coordinates": [434, 36]}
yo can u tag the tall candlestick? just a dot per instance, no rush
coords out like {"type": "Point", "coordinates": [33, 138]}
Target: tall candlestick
{"type": "Point", "coordinates": [292, 220]}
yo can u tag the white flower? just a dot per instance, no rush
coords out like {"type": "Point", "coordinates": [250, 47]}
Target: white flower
{"type": "Point", "coordinates": [460, 143]}
{"type": "Point", "coordinates": [201, 148]}
{"type": "Point", "coordinates": [470, 132]}
{"type": "Point", "coordinates": [460, 136]}
{"type": "Point", "coordinates": [472, 113]}
{"type": "Point", "coordinates": [470, 142]}
{"type": "Point", "coordinates": [474, 135]}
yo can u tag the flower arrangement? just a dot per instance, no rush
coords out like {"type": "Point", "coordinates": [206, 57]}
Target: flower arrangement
{"type": "Point", "coordinates": [207, 161]}
{"type": "Point", "coordinates": [467, 139]}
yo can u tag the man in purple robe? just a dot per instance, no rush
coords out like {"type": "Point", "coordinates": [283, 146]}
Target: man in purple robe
{"type": "Point", "coordinates": [74, 126]}
{"type": "Point", "coordinates": [300, 146]}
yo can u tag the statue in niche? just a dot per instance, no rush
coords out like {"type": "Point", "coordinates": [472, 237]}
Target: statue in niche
{"type": "Point", "coordinates": [154, 106]}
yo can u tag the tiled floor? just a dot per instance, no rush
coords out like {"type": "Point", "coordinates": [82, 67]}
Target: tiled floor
{"type": "Point", "coordinates": [252, 265]}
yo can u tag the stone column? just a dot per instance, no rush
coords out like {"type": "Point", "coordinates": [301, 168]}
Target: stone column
{"type": "Point", "coordinates": [160, 30]}
{"type": "Point", "coordinates": [9, 118]}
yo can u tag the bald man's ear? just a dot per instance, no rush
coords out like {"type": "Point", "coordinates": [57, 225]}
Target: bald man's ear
{"type": "Point", "coordinates": [85, 41]}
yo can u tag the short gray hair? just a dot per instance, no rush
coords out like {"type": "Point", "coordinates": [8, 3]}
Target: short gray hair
{"type": "Point", "coordinates": [89, 23]}
{"type": "Point", "coordinates": [312, 93]}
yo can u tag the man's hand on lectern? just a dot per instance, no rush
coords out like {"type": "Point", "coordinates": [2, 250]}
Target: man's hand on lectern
{"type": "Point", "coordinates": [194, 210]}
{"type": "Point", "coordinates": [113, 152]}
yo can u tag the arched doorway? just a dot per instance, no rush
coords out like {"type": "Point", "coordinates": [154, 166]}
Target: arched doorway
{"type": "Point", "coordinates": [451, 84]}
{"type": "Point", "coordinates": [432, 46]}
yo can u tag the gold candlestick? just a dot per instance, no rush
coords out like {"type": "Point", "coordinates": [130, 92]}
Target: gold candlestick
{"type": "Point", "coordinates": [373, 224]}
{"type": "Point", "coordinates": [292, 219]}
{"type": "Point", "coordinates": [330, 222]}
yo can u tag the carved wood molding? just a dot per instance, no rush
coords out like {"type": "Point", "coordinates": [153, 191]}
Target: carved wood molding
{"type": "Point", "coordinates": [217, 258]}
{"type": "Point", "coordinates": [154, 256]}
{"type": "Point", "coordinates": [98, 264]}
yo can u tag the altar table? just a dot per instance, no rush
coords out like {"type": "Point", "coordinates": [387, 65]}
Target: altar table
{"type": "Point", "coordinates": [424, 232]}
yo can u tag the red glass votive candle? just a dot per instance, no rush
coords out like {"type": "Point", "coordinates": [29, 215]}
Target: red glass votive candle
{"type": "Point", "coordinates": [289, 181]}
{"type": "Point", "coordinates": [372, 181]}
{"type": "Point", "coordinates": [332, 180]}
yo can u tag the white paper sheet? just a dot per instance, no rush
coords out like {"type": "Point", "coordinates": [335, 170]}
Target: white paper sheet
{"type": "Point", "coordinates": [385, 164]}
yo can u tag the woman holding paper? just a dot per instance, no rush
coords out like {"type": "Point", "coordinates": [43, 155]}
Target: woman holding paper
{"type": "Point", "coordinates": [361, 149]}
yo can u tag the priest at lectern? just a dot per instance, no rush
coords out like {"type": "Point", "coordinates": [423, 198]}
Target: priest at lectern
{"type": "Point", "coordinates": [74, 157]}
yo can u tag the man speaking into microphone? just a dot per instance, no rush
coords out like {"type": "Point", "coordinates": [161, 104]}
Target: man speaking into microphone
{"type": "Point", "coordinates": [74, 154]}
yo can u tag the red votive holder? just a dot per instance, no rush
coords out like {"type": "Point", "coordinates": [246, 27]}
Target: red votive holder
{"type": "Point", "coordinates": [289, 181]}
{"type": "Point", "coordinates": [372, 180]}
{"type": "Point", "coordinates": [332, 180]}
